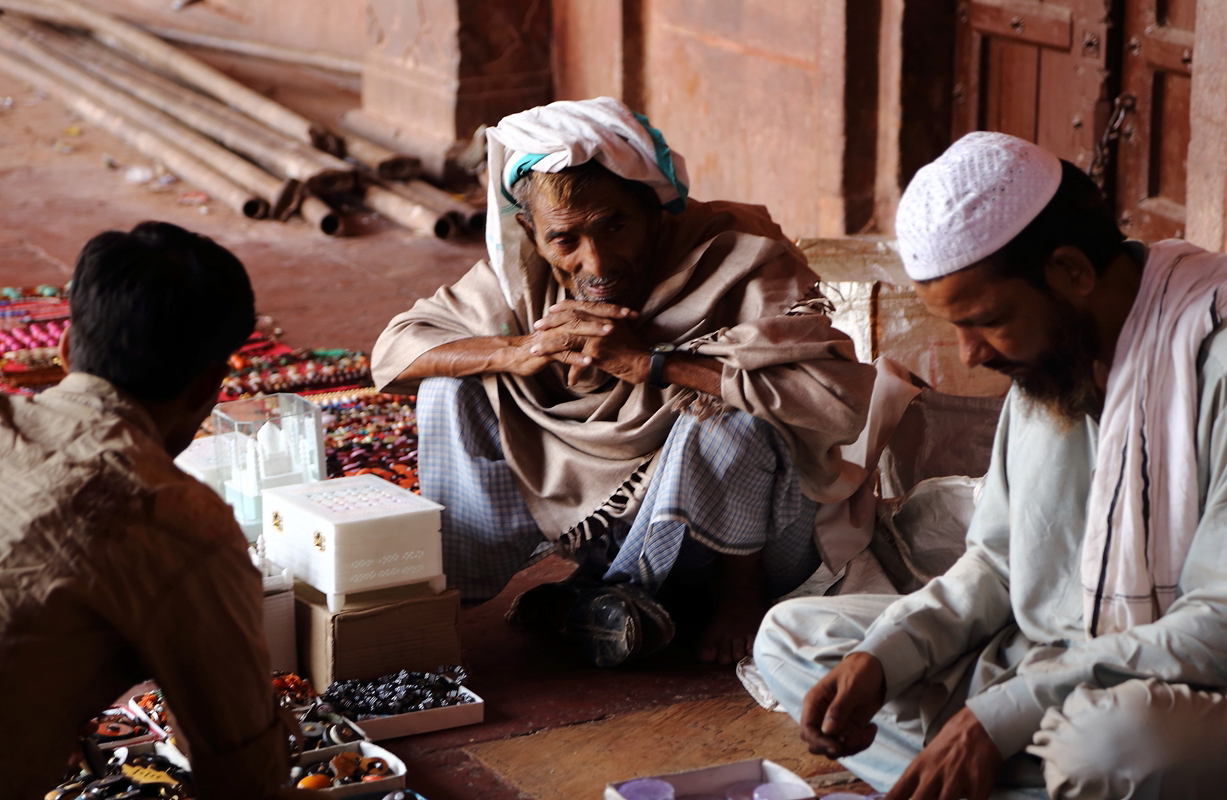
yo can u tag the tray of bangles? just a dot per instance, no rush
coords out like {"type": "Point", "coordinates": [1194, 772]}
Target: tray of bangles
{"type": "Point", "coordinates": [369, 432]}
{"type": "Point", "coordinates": [130, 753]}
{"type": "Point", "coordinates": [122, 727]}
{"type": "Point", "coordinates": [131, 772]}
{"type": "Point", "coordinates": [265, 366]}
{"type": "Point", "coordinates": [158, 770]}
{"type": "Point", "coordinates": [31, 323]}
{"type": "Point", "coordinates": [337, 757]}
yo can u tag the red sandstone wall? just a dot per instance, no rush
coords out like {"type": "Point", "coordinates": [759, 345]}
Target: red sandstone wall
{"type": "Point", "coordinates": [751, 92]}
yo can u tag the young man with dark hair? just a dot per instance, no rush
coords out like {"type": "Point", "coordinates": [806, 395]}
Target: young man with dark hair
{"type": "Point", "coordinates": [1078, 649]}
{"type": "Point", "coordinates": [115, 567]}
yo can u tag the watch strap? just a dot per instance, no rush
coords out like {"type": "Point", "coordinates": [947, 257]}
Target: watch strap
{"type": "Point", "coordinates": [656, 368]}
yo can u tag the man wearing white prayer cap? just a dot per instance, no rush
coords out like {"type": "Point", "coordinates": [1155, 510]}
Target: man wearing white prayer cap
{"type": "Point", "coordinates": [643, 382]}
{"type": "Point", "coordinates": [1078, 648]}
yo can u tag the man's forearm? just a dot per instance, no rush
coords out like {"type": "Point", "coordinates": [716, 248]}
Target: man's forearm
{"type": "Point", "coordinates": [694, 372]}
{"type": "Point", "coordinates": [464, 357]}
{"type": "Point", "coordinates": [489, 354]}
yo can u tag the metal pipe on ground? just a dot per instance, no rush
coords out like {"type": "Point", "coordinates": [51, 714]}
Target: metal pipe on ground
{"type": "Point", "coordinates": [246, 47]}
{"type": "Point", "coordinates": [183, 164]}
{"type": "Point", "coordinates": [329, 62]}
{"type": "Point", "coordinates": [282, 196]}
{"type": "Point", "coordinates": [368, 127]}
{"type": "Point", "coordinates": [288, 55]}
{"type": "Point", "coordinates": [470, 217]}
{"type": "Point", "coordinates": [414, 216]}
{"type": "Point", "coordinates": [285, 157]}
{"type": "Point", "coordinates": [153, 50]}
{"type": "Point", "coordinates": [387, 164]}
{"type": "Point", "coordinates": [322, 216]}
{"type": "Point", "coordinates": [435, 162]}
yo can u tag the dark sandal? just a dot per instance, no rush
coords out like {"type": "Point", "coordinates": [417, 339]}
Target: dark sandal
{"type": "Point", "coordinates": [657, 628]}
{"type": "Point", "coordinates": [605, 626]}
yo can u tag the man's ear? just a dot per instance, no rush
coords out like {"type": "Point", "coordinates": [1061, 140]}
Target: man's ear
{"type": "Point", "coordinates": [526, 222]}
{"type": "Point", "coordinates": [1070, 274]}
{"type": "Point", "coordinates": [64, 350]}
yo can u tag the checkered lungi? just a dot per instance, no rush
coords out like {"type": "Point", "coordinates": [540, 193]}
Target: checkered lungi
{"type": "Point", "coordinates": [722, 485]}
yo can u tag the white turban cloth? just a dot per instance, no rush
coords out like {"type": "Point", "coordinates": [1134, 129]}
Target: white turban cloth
{"type": "Point", "coordinates": [565, 134]}
{"type": "Point", "coordinates": [971, 201]}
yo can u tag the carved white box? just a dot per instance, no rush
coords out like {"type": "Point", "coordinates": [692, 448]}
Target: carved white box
{"type": "Point", "coordinates": [353, 535]}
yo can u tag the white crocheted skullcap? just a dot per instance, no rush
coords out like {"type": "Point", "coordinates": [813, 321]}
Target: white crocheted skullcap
{"type": "Point", "coordinates": [971, 201]}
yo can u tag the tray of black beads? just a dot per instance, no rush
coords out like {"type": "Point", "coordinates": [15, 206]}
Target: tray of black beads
{"type": "Point", "coordinates": [405, 703]}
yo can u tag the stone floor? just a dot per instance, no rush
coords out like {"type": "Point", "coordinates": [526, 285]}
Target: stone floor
{"type": "Point", "coordinates": [554, 728]}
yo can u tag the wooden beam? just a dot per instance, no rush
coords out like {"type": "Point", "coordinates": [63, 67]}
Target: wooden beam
{"type": "Point", "coordinates": [1166, 49]}
{"type": "Point", "coordinates": [1025, 20]}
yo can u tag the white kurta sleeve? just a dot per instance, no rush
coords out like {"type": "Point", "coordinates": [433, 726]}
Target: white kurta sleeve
{"type": "Point", "coordinates": [925, 631]}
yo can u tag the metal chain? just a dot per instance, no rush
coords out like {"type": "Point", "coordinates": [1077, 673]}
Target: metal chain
{"type": "Point", "coordinates": [1123, 105]}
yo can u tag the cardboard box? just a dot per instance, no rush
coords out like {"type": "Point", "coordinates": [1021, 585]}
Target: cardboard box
{"type": "Point", "coordinates": [406, 628]}
{"type": "Point", "coordinates": [279, 624]}
{"type": "Point", "coordinates": [432, 719]}
{"type": "Point", "coordinates": [712, 780]}
{"type": "Point", "coordinates": [372, 788]}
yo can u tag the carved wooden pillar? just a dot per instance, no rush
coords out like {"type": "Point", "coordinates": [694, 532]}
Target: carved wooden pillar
{"type": "Point", "coordinates": [436, 69]}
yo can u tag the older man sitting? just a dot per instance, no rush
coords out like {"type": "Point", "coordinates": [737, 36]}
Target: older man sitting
{"type": "Point", "coordinates": [650, 384]}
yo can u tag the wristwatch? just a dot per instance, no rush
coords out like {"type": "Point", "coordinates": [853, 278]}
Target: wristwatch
{"type": "Point", "coordinates": [656, 367]}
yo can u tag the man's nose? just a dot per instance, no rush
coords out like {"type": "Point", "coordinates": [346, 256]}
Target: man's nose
{"type": "Point", "coordinates": [594, 258]}
{"type": "Point", "coordinates": [973, 350]}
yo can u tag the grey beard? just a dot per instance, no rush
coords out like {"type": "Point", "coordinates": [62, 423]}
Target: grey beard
{"type": "Point", "coordinates": [582, 285]}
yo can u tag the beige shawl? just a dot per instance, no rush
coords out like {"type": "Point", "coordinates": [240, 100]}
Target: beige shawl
{"type": "Point", "coordinates": [728, 285]}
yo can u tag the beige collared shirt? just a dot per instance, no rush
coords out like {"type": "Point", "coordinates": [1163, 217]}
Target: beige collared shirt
{"type": "Point", "coordinates": [116, 567]}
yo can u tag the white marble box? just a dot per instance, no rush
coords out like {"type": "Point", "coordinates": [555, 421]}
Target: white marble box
{"type": "Point", "coordinates": [351, 535]}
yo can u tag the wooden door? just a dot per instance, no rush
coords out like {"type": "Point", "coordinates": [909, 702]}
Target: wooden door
{"type": "Point", "coordinates": [1036, 70]}
{"type": "Point", "coordinates": [1050, 70]}
{"type": "Point", "coordinates": [1152, 153]}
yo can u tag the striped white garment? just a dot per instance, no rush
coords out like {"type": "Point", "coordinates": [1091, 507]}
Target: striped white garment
{"type": "Point", "coordinates": [1144, 506]}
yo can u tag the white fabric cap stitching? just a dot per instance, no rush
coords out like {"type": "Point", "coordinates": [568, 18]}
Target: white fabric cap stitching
{"type": "Point", "coordinates": [971, 201]}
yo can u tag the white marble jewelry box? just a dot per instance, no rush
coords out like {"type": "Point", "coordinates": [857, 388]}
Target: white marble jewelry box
{"type": "Point", "coordinates": [353, 534]}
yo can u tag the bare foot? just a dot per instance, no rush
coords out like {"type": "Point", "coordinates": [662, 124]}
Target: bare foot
{"type": "Point", "coordinates": [740, 607]}
{"type": "Point", "coordinates": [729, 636]}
